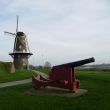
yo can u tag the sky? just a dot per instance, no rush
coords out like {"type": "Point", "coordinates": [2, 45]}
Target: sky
{"type": "Point", "coordinates": [58, 31]}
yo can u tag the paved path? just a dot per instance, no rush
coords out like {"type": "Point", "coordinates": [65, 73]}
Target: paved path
{"type": "Point", "coordinates": [14, 83]}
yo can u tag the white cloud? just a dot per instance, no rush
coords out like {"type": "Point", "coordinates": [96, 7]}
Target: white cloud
{"type": "Point", "coordinates": [60, 30]}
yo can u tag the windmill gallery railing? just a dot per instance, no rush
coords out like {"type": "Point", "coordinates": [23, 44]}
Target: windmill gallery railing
{"type": "Point", "coordinates": [61, 76]}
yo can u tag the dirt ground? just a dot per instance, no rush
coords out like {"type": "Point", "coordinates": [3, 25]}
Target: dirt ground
{"type": "Point", "coordinates": [56, 92]}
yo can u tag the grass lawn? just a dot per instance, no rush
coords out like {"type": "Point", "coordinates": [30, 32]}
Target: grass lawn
{"type": "Point", "coordinates": [5, 76]}
{"type": "Point", "coordinates": [98, 97]}
{"type": "Point", "coordinates": [18, 75]}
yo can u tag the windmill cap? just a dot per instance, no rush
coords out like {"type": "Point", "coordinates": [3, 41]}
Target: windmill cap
{"type": "Point", "coordinates": [20, 34]}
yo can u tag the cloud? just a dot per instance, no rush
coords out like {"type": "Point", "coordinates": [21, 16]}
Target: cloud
{"type": "Point", "coordinates": [60, 30]}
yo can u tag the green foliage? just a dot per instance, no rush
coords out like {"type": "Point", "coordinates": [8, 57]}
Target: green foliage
{"type": "Point", "coordinates": [97, 98]}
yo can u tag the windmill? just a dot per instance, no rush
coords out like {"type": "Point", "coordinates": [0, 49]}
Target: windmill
{"type": "Point", "coordinates": [21, 51]}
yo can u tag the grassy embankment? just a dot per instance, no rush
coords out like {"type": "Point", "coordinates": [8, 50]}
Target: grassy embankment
{"type": "Point", "coordinates": [98, 96]}
{"type": "Point", "coordinates": [6, 76]}
{"type": "Point", "coordinates": [44, 70]}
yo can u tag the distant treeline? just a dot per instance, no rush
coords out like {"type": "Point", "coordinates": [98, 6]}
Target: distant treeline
{"type": "Point", "coordinates": [84, 66]}
{"type": "Point", "coordinates": [97, 67]}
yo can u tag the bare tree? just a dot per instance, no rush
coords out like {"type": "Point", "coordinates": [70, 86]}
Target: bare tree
{"type": "Point", "coordinates": [47, 64]}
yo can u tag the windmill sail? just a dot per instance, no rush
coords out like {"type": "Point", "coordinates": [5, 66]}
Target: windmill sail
{"type": "Point", "coordinates": [21, 50]}
{"type": "Point", "coordinates": [17, 25]}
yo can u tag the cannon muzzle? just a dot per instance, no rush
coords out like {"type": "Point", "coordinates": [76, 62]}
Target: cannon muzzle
{"type": "Point", "coordinates": [75, 64]}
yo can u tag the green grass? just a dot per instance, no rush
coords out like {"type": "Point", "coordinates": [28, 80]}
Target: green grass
{"type": "Point", "coordinates": [97, 98]}
{"type": "Point", "coordinates": [18, 75]}
{"type": "Point", "coordinates": [3, 67]}
{"type": "Point", "coordinates": [93, 74]}
{"type": "Point", "coordinates": [44, 70]}
{"type": "Point", "coordinates": [5, 76]}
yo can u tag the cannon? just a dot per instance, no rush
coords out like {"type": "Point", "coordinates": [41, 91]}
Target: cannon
{"type": "Point", "coordinates": [61, 76]}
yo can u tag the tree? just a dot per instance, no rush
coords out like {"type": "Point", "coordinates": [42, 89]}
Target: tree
{"type": "Point", "coordinates": [47, 64]}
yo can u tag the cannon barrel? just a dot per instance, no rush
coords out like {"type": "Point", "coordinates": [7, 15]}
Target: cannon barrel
{"type": "Point", "coordinates": [75, 64]}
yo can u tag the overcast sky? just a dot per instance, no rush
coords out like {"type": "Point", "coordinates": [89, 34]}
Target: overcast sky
{"type": "Point", "coordinates": [58, 31]}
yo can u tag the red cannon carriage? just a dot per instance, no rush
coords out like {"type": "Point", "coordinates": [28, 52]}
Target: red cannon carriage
{"type": "Point", "coordinates": [61, 76]}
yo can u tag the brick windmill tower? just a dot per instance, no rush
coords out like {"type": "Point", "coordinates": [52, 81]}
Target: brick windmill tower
{"type": "Point", "coordinates": [21, 52]}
